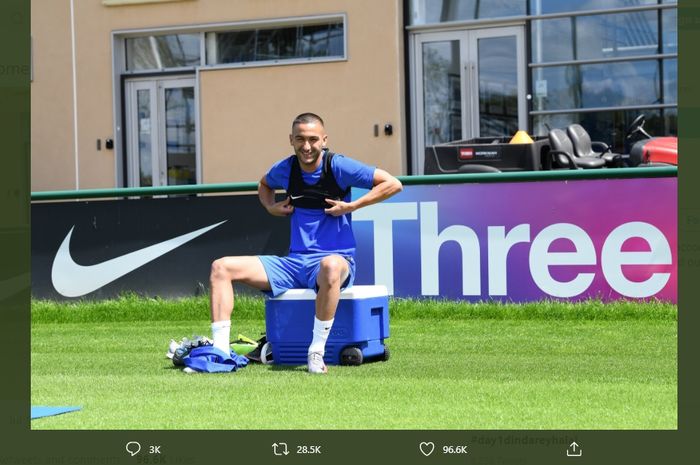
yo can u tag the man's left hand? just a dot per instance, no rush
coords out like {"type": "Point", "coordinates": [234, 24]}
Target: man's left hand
{"type": "Point", "coordinates": [339, 207]}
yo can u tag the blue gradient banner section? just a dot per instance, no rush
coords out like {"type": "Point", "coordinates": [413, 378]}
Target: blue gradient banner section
{"type": "Point", "coordinates": [606, 239]}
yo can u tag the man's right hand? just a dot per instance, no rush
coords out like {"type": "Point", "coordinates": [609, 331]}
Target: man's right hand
{"type": "Point", "coordinates": [283, 208]}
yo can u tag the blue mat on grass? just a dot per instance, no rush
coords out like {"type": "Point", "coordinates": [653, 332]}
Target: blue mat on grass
{"type": "Point", "coordinates": [38, 412]}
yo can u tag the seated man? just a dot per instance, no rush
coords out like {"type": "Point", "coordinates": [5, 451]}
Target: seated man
{"type": "Point", "coordinates": [322, 245]}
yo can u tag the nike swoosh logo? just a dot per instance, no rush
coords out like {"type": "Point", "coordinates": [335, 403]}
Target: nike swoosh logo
{"type": "Point", "coordinates": [73, 280]}
{"type": "Point", "coordinates": [294, 197]}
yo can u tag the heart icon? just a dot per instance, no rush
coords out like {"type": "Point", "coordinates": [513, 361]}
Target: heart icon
{"type": "Point", "coordinates": [427, 448]}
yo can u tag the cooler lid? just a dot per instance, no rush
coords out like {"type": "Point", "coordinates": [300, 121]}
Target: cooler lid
{"type": "Point", "coordinates": [354, 292]}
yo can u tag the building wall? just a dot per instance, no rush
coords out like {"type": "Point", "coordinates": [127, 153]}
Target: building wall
{"type": "Point", "coordinates": [245, 113]}
{"type": "Point", "coordinates": [52, 147]}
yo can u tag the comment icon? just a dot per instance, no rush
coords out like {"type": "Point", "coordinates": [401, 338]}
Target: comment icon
{"type": "Point", "coordinates": [133, 447]}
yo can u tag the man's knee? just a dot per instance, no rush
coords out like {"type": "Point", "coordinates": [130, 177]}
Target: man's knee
{"type": "Point", "coordinates": [333, 267]}
{"type": "Point", "coordinates": [222, 269]}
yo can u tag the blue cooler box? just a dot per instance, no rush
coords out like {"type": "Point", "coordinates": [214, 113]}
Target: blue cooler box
{"type": "Point", "coordinates": [360, 327]}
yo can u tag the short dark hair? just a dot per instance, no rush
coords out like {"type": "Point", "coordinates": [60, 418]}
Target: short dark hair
{"type": "Point", "coordinates": [307, 118]}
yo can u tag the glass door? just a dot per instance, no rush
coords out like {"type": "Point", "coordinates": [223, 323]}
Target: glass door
{"type": "Point", "coordinates": [496, 75]}
{"type": "Point", "coordinates": [467, 84]}
{"type": "Point", "coordinates": [161, 132]}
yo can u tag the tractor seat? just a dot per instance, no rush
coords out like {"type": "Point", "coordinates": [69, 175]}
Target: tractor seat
{"type": "Point", "coordinates": [583, 147]}
{"type": "Point", "coordinates": [564, 156]}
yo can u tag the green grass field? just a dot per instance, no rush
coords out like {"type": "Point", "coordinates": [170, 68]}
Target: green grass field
{"type": "Point", "coordinates": [544, 365]}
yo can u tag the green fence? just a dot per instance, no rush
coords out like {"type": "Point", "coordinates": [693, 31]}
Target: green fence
{"type": "Point", "coordinates": [520, 176]}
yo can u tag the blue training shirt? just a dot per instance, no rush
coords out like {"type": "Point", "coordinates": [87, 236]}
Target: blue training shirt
{"type": "Point", "coordinates": [314, 230]}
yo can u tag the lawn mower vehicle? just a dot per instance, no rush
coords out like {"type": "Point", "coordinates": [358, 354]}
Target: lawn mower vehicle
{"type": "Point", "coordinates": [649, 150]}
{"type": "Point", "coordinates": [562, 148]}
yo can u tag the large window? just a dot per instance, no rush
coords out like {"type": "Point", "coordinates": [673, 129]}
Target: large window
{"type": "Point", "coordinates": [601, 70]}
{"type": "Point", "coordinates": [276, 44]}
{"type": "Point", "coordinates": [256, 43]}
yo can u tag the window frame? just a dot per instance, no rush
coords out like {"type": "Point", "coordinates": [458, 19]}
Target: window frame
{"type": "Point", "coordinates": [207, 37]}
{"type": "Point", "coordinates": [660, 56]}
{"type": "Point", "coordinates": [212, 47]}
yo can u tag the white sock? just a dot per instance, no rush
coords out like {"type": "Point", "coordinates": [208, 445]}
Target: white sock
{"type": "Point", "coordinates": [321, 331]}
{"type": "Point", "coordinates": [221, 333]}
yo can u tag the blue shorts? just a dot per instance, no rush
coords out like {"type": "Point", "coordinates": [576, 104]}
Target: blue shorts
{"type": "Point", "coordinates": [299, 271]}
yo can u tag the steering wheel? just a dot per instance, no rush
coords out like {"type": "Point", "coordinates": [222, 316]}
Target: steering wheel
{"type": "Point", "coordinates": [636, 126]}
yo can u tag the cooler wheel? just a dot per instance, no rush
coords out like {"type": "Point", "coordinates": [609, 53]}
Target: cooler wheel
{"type": "Point", "coordinates": [386, 354]}
{"type": "Point", "coordinates": [266, 354]}
{"type": "Point", "coordinates": [351, 356]}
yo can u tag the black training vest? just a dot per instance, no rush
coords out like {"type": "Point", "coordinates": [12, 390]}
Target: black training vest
{"type": "Point", "coordinates": [303, 195]}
